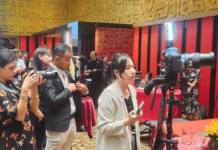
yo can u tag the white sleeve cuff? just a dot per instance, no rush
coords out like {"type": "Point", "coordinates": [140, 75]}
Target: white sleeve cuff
{"type": "Point", "coordinates": [86, 93]}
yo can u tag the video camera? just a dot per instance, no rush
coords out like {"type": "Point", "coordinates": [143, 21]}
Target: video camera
{"type": "Point", "coordinates": [46, 75]}
{"type": "Point", "coordinates": [174, 63]}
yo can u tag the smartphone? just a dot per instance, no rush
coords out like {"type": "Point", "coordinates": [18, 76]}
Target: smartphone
{"type": "Point", "coordinates": [140, 107]}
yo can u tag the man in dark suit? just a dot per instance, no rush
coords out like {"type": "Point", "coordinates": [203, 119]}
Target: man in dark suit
{"type": "Point", "coordinates": [63, 102]}
{"type": "Point", "coordinates": [75, 74]}
{"type": "Point", "coordinates": [95, 71]}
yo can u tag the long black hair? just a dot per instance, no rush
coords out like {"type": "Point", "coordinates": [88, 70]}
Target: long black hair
{"type": "Point", "coordinates": [119, 63]}
{"type": "Point", "coordinates": [149, 76]}
{"type": "Point", "coordinates": [37, 63]}
{"type": "Point", "coordinates": [103, 57]}
{"type": "Point", "coordinates": [6, 56]}
{"type": "Point", "coordinates": [82, 60]}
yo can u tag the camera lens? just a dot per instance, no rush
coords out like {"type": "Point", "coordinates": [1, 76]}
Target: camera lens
{"type": "Point", "coordinates": [207, 59]}
{"type": "Point", "coordinates": [48, 75]}
{"type": "Point", "coordinates": [51, 75]}
{"type": "Point", "coordinates": [196, 60]}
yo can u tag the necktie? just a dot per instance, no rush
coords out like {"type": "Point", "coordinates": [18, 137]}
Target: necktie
{"type": "Point", "coordinates": [71, 69]}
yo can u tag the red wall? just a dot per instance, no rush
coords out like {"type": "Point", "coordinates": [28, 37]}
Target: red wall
{"type": "Point", "coordinates": [153, 51]}
{"type": "Point", "coordinates": [109, 40]}
{"type": "Point", "coordinates": [206, 47]}
{"type": "Point", "coordinates": [144, 50]}
{"type": "Point", "coordinates": [33, 45]}
{"type": "Point", "coordinates": [22, 42]}
{"type": "Point", "coordinates": [136, 46]}
{"type": "Point", "coordinates": [191, 36]}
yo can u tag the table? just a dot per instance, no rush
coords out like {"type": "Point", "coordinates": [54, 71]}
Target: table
{"type": "Point", "coordinates": [198, 125]}
{"type": "Point", "coordinates": [192, 146]}
{"type": "Point", "coordinates": [153, 114]}
{"type": "Point", "coordinates": [154, 129]}
{"type": "Point", "coordinates": [88, 115]}
{"type": "Point", "coordinates": [154, 123]}
{"type": "Point", "coordinates": [216, 110]}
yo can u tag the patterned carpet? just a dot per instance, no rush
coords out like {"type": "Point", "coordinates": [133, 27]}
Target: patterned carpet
{"type": "Point", "coordinates": [82, 141]}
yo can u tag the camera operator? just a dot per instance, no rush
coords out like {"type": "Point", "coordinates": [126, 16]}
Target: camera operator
{"type": "Point", "coordinates": [193, 87]}
{"type": "Point", "coordinates": [118, 126]}
{"type": "Point", "coordinates": [15, 125]}
{"type": "Point", "coordinates": [63, 101]}
{"type": "Point", "coordinates": [41, 61]}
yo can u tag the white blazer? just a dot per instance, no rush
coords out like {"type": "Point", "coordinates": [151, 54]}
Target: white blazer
{"type": "Point", "coordinates": [111, 134]}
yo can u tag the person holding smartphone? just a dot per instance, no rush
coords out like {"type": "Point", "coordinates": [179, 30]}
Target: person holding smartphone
{"type": "Point", "coordinates": [118, 126]}
{"type": "Point", "coordinates": [95, 71]}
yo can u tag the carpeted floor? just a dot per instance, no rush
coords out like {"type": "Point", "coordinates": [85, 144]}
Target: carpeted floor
{"type": "Point", "coordinates": [82, 141]}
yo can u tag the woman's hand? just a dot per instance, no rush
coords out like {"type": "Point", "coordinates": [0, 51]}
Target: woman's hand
{"type": "Point", "coordinates": [132, 118]}
{"type": "Point", "coordinates": [78, 63]}
{"type": "Point", "coordinates": [192, 85]}
{"type": "Point", "coordinates": [30, 80]}
{"type": "Point", "coordinates": [189, 89]}
{"type": "Point", "coordinates": [164, 128]}
{"type": "Point", "coordinates": [39, 81]}
{"type": "Point", "coordinates": [41, 116]}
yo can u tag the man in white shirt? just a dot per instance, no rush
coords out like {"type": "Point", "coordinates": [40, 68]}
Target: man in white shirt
{"type": "Point", "coordinates": [63, 101]}
{"type": "Point", "coordinates": [20, 63]}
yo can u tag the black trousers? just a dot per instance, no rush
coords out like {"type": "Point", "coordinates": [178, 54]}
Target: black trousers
{"type": "Point", "coordinates": [96, 88]}
{"type": "Point", "coordinates": [39, 127]}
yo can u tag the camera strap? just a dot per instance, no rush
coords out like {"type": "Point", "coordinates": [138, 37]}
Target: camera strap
{"type": "Point", "coordinates": [6, 88]}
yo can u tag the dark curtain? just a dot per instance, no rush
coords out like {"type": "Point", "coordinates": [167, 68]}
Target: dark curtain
{"type": "Point", "coordinates": [88, 45]}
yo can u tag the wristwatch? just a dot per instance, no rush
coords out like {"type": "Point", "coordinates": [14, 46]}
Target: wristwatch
{"type": "Point", "coordinates": [23, 98]}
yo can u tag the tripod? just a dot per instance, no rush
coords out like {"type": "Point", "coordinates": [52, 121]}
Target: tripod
{"type": "Point", "coordinates": [159, 141]}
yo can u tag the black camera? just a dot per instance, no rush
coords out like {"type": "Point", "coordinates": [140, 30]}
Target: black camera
{"type": "Point", "coordinates": [174, 63]}
{"type": "Point", "coordinates": [177, 63]}
{"type": "Point", "coordinates": [46, 75]}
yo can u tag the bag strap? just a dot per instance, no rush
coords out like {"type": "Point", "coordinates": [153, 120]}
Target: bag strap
{"type": "Point", "coordinates": [6, 88]}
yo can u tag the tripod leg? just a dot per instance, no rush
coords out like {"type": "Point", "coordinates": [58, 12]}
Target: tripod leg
{"type": "Point", "coordinates": [161, 146]}
{"type": "Point", "coordinates": [175, 147]}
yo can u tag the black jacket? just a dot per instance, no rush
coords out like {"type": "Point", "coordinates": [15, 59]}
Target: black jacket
{"type": "Point", "coordinates": [42, 104]}
{"type": "Point", "coordinates": [76, 70]}
{"type": "Point", "coordinates": [58, 106]}
{"type": "Point", "coordinates": [26, 62]}
{"type": "Point", "coordinates": [99, 66]}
